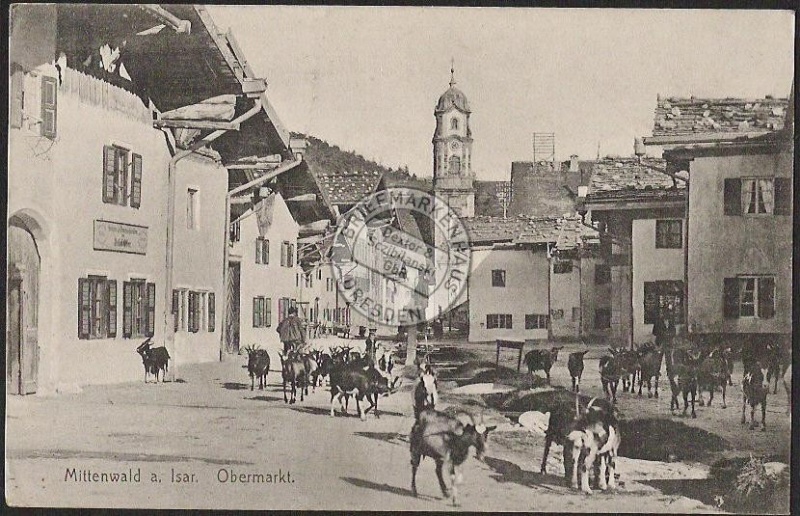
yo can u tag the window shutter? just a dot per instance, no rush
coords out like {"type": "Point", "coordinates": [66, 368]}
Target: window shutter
{"type": "Point", "coordinates": [84, 308]}
{"type": "Point", "coordinates": [766, 297]}
{"type": "Point", "coordinates": [733, 196]}
{"type": "Point", "coordinates": [136, 182]}
{"type": "Point", "coordinates": [290, 258]}
{"type": "Point", "coordinates": [265, 247]}
{"type": "Point", "coordinates": [176, 300]}
{"type": "Point", "coordinates": [730, 308]}
{"type": "Point", "coordinates": [17, 96]}
{"type": "Point", "coordinates": [109, 173]}
{"type": "Point", "coordinates": [212, 312]}
{"type": "Point", "coordinates": [127, 309]}
{"type": "Point", "coordinates": [151, 309]}
{"type": "Point", "coordinates": [258, 250]}
{"type": "Point", "coordinates": [783, 196]}
{"type": "Point", "coordinates": [112, 308]}
{"type": "Point", "coordinates": [268, 310]}
{"type": "Point", "coordinates": [49, 94]}
{"type": "Point", "coordinates": [255, 313]}
{"type": "Point", "coordinates": [283, 254]}
{"type": "Point", "coordinates": [193, 312]}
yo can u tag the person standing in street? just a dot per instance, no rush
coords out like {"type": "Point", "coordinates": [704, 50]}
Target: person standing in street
{"type": "Point", "coordinates": [291, 332]}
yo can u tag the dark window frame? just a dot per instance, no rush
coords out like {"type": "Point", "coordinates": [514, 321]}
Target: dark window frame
{"type": "Point", "coordinates": [669, 234]}
{"type": "Point", "coordinates": [499, 278]}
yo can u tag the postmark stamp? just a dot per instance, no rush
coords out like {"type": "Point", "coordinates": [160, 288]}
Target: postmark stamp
{"type": "Point", "coordinates": [383, 265]}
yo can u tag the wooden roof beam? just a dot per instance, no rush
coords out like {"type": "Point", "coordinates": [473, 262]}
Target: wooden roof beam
{"type": "Point", "coordinates": [169, 19]}
{"type": "Point", "coordinates": [196, 124]}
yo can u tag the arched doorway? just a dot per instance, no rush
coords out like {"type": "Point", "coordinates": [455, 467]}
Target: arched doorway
{"type": "Point", "coordinates": [22, 309]}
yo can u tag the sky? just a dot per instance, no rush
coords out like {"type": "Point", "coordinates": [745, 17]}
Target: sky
{"type": "Point", "coordinates": [367, 78]}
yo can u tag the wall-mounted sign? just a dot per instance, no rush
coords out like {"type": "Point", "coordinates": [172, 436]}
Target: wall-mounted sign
{"type": "Point", "coordinates": [120, 238]}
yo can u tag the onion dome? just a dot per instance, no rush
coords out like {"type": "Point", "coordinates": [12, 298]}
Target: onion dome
{"type": "Point", "coordinates": [452, 97]}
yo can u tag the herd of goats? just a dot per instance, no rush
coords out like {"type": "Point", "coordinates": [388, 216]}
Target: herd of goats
{"type": "Point", "coordinates": [589, 433]}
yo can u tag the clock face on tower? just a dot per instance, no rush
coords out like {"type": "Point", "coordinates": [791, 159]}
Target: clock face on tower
{"type": "Point", "coordinates": [454, 145]}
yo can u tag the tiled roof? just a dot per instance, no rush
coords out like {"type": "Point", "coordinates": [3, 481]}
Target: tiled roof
{"type": "Point", "coordinates": [681, 116]}
{"type": "Point", "coordinates": [566, 232]}
{"type": "Point", "coordinates": [627, 176]}
{"type": "Point", "coordinates": [349, 187]}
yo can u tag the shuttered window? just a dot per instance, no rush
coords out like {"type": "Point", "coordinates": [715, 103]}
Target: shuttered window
{"type": "Point", "coordinates": [138, 308]}
{"type": "Point", "coordinates": [262, 250]}
{"type": "Point", "coordinates": [97, 308]}
{"type": "Point", "coordinates": [49, 101]}
{"type": "Point", "coordinates": [136, 181]}
{"type": "Point", "coordinates": [749, 296]}
{"type": "Point", "coordinates": [669, 234]}
{"type": "Point", "coordinates": [659, 296]}
{"type": "Point", "coordinates": [262, 312]}
{"type": "Point", "coordinates": [212, 312]}
{"type": "Point", "coordinates": [497, 321]}
{"type": "Point", "coordinates": [193, 315]}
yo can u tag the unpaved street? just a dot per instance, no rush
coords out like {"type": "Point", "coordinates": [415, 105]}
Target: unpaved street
{"type": "Point", "coordinates": [209, 426]}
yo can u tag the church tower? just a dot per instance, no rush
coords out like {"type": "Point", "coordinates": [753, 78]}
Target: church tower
{"type": "Point", "coordinates": [452, 151]}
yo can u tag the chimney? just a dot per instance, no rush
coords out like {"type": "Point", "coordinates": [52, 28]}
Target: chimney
{"type": "Point", "coordinates": [638, 147]}
{"type": "Point", "coordinates": [573, 163]}
{"type": "Point", "coordinates": [298, 147]}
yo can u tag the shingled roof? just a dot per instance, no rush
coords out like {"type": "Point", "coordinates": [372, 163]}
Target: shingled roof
{"type": "Point", "coordinates": [349, 187]}
{"type": "Point", "coordinates": [618, 178]}
{"type": "Point", "coordinates": [566, 232]}
{"type": "Point", "coordinates": [681, 116]}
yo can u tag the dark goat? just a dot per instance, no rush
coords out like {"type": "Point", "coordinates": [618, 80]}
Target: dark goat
{"type": "Point", "coordinates": [447, 440]}
{"type": "Point", "coordinates": [542, 360]}
{"type": "Point", "coordinates": [153, 359]}
{"type": "Point", "coordinates": [575, 366]}
{"type": "Point", "coordinates": [755, 387]}
{"type": "Point", "coordinates": [347, 380]}
{"type": "Point", "coordinates": [780, 359]}
{"type": "Point", "coordinates": [611, 371]}
{"type": "Point", "coordinates": [425, 393]}
{"type": "Point", "coordinates": [683, 378]}
{"type": "Point", "coordinates": [713, 373]}
{"type": "Point", "coordinates": [649, 367]}
{"type": "Point", "coordinates": [563, 415]}
{"type": "Point", "coordinates": [629, 364]}
{"type": "Point", "coordinates": [293, 371]}
{"type": "Point", "coordinates": [257, 366]}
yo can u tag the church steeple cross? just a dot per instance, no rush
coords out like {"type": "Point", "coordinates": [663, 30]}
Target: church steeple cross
{"type": "Point", "coordinates": [452, 72]}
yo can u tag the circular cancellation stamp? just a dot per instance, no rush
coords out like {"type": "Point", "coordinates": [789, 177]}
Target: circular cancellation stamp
{"type": "Point", "coordinates": [396, 251]}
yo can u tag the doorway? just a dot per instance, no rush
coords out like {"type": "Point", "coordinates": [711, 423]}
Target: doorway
{"type": "Point", "coordinates": [232, 306]}
{"type": "Point", "coordinates": [22, 310]}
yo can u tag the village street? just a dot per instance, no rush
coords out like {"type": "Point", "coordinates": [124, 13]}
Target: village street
{"type": "Point", "coordinates": [210, 426]}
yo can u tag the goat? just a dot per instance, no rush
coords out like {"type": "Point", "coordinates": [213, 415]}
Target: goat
{"type": "Point", "coordinates": [611, 371]}
{"type": "Point", "coordinates": [257, 366]}
{"type": "Point", "coordinates": [560, 424]}
{"type": "Point", "coordinates": [649, 367]}
{"type": "Point", "coordinates": [595, 437]}
{"type": "Point", "coordinates": [349, 380]}
{"type": "Point", "coordinates": [542, 360]}
{"type": "Point", "coordinates": [628, 361]}
{"type": "Point", "coordinates": [425, 393]}
{"type": "Point", "coordinates": [311, 371]}
{"type": "Point", "coordinates": [153, 359]}
{"type": "Point", "coordinates": [683, 378]}
{"type": "Point", "coordinates": [294, 372]}
{"type": "Point", "coordinates": [575, 366]}
{"type": "Point", "coordinates": [447, 440]}
{"type": "Point", "coordinates": [713, 373]}
{"type": "Point", "coordinates": [755, 387]}
{"type": "Point", "coordinates": [780, 358]}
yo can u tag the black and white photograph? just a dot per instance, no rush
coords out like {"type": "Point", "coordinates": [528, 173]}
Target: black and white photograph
{"type": "Point", "coordinates": [399, 258]}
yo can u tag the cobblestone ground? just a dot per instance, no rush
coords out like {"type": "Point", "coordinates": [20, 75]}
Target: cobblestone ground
{"type": "Point", "coordinates": [190, 439]}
